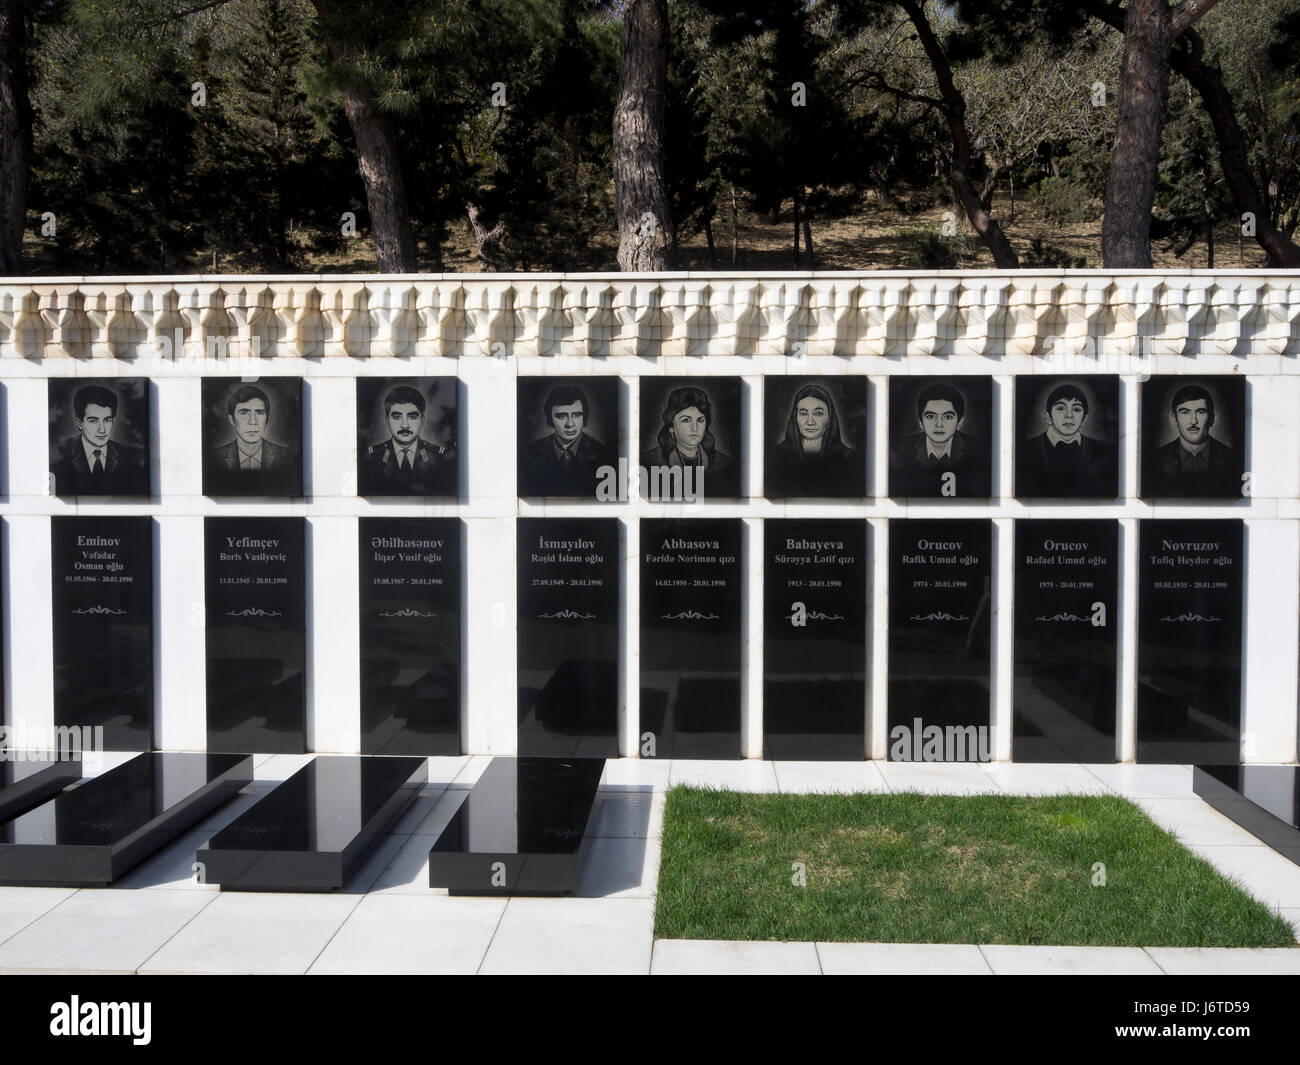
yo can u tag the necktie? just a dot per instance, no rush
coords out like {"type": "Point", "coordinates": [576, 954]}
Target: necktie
{"type": "Point", "coordinates": [406, 461]}
{"type": "Point", "coordinates": [97, 466]}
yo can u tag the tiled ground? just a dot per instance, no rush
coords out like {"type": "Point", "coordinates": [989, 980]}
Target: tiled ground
{"type": "Point", "coordinates": [159, 920]}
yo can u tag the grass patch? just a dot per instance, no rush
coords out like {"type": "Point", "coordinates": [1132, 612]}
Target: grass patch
{"type": "Point", "coordinates": [912, 868]}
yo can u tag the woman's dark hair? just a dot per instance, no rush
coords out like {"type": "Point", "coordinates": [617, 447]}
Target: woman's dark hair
{"type": "Point", "coordinates": [832, 434]}
{"type": "Point", "coordinates": [678, 400]}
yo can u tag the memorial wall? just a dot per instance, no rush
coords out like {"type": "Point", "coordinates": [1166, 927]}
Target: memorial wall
{"type": "Point", "coordinates": [933, 526]}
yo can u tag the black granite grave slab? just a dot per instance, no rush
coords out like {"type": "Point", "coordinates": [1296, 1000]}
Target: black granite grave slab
{"type": "Point", "coordinates": [521, 829]}
{"type": "Point", "coordinates": [102, 588]}
{"type": "Point", "coordinates": [569, 633]}
{"type": "Point", "coordinates": [1262, 799]}
{"type": "Point", "coordinates": [1189, 598]}
{"type": "Point", "coordinates": [312, 831]}
{"type": "Point", "coordinates": [940, 623]}
{"type": "Point", "coordinates": [90, 835]}
{"type": "Point", "coordinates": [691, 573]}
{"type": "Point", "coordinates": [1067, 641]}
{"type": "Point", "coordinates": [27, 780]}
{"type": "Point", "coordinates": [410, 635]}
{"type": "Point", "coordinates": [256, 648]}
{"type": "Point", "coordinates": [816, 602]}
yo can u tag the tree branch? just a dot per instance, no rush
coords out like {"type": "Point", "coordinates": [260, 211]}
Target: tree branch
{"type": "Point", "coordinates": [1186, 13]}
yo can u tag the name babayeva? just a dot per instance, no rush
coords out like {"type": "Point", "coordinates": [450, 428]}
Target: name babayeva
{"type": "Point", "coordinates": [814, 545]}
{"type": "Point", "coordinates": [75, 1017]}
{"type": "Point", "coordinates": [544, 544]}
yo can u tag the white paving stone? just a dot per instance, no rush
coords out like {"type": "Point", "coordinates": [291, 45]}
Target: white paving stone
{"type": "Point", "coordinates": [103, 930]}
{"type": "Point", "coordinates": [429, 934]}
{"type": "Point", "coordinates": [1146, 781]}
{"type": "Point", "coordinates": [254, 933]}
{"type": "Point", "coordinates": [1036, 778]}
{"type": "Point", "coordinates": [938, 778]}
{"type": "Point", "coordinates": [1099, 961]}
{"type": "Point", "coordinates": [802, 778]}
{"type": "Point", "coordinates": [719, 957]}
{"type": "Point", "coordinates": [1194, 821]}
{"type": "Point", "coordinates": [553, 936]}
{"type": "Point", "coordinates": [1225, 961]}
{"type": "Point", "coordinates": [747, 775]}
{"type": "Point", "coordinates": [902, 959]}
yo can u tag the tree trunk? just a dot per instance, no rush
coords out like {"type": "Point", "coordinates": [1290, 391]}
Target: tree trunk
{"type": "Point", "coordinates": [1208, 82]}
{"type": "Point", "coordinates": [735, 225]}
{"type": "Point", "coordinates": [485, 240]}
{"type": "Point", "coordinates": [1143, 92]}
{"type": "Point", "coordinates": [15, 136]}
{"type": "Point", "coordinates": [795, 205]}
{"type": "Point", "coordinates": [641, 203]}
{"type": "Point", "coordinates": [708, 236]}
{"type": "Point", "coordinates": [377, 159]}
{"type": "Point", "coordinates": [807, 238]}
{"type": "Point", "coordinates": [954, 110]}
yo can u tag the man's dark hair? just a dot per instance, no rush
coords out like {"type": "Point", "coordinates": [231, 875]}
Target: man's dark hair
{"type": "Point", "coordinates": [1067, 391]}
{"type": "Point", "coordinates": [931, 393]}
{"type": "Point", "coordinates": [402, 394]}
{"type": "Point", "coordinates": [1191, 392]}
{"type": "Point", "coordinates": [564, 396]}
{"type": "Point", "coordinates": [96, 394]}
{"type": "Point", "coordinates": [243, 394]}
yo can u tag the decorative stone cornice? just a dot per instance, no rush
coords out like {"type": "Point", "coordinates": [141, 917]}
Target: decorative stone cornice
{"type": "Point", "coordinates": [869, 313]}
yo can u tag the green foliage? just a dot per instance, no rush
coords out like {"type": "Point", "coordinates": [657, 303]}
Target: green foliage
{"type": "Point", "coordinates": [1065, 201]}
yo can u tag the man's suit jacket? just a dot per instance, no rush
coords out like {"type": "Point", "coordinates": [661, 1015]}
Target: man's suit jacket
{"type": "Point", "coordinates": [1168, 474]}
{"type": "Point", "coordinates": [126, 472]}
{"type": "Point", "coordinates": [913, 472]}
{"type": "Point", "coordinates": [280, 475]}
{"type": "Point", "coordinates": [541, 472]}
{"type": "Point", "coordinates": [1091, 473]}
{"type": "Point", "coordinates": [432, 473]}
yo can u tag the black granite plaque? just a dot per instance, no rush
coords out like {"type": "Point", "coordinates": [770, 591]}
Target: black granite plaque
{"type": "Point", "coordinates": [1262, 799]}
{"type": "Point", "coordinates": [406, 436]}
{"type": "Point", "coordinates": [315, 828]}
{"type": "Point", "coordinates": [1067, 641]}
{"type": "Point", "coordinates": [941, 437]}
{"type": "Point", "coordinates": [102, 585]}
{"type": "Point", "coordinates": [815, 437]}
{"type": "Point", "coordinates": [940, 624]}
{"type": "Point", "coordinates": [568, 436]}
{"type": "Point", "coordinates": [816, 601]}
{"type": "Point", "coordinates": [1067, 437]}
{"type": "Point", "coordinates": [410, 635]}
{"type": "Point", "coordinates": [521, 830]}
{"type": "Point", "coordinates": [569, 635]}
{"type": "Point", "coordinates": [28, 779]}
{"type": "Point", "coordinates": [256, 634]}
{"type": "Point", "coordinates": [692, 438]}
{"type": "Point", "coordinates": [88, 836]}
{"type": "Point", "coordinates": [691, 572]}
{"type": "Point", "coordinates": [1193, 441]}
{"type": "Point", "coordinates": [1190, 596]}
{"type": "Point", "coordinates": [99, 436]}
{"type": "Point", "coordinates": [252, 436]}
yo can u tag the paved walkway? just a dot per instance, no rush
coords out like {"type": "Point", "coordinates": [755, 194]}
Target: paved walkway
{"type": "Point", "coordinates": [158, 920]}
